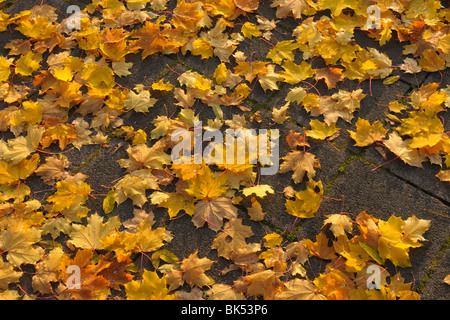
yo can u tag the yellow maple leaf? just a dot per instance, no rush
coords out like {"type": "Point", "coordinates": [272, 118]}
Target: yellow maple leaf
{"type": "Point", "coordinates": [307, 201]}
{"type": "Point", "coordinates": [194, 269]}
{"type": "Point", "coordinates": [61, 132]}
{"type": "Point", "coordinates": [202, 47]}
{"type": "Point", "coordinates": [100, 80]}
{"type": "Point", "coordinates": [207, 184]}
{"type": "Point", "coordinates": [398, 236]}
{"type": "Point", "coordinates": [301, 163]}
{"type": "Point", "coordinates": [367, 133]}
{"type": "Point", "coordinates": [150, 287]}
{"type": "Point", "coordinates": [334, 285]}
{"type": "Point", "coordinates": [431, 61]}
{"type": "Point", "coordinates": [28, 63]}
{"type": "Point", "coordinates": [283, 50]}
{"type": "Point", "coordinates": [19, 242]}
{"type": "Point", "coordinates": [11, 173]}
{"type": "Point", "coordinates": [321, 130]}
{"type": "Point", "coordinates": [8, 275]}
{"type": "Point", "coordinates": [5, 70]}
{"type": "Point", "coordinates": [220, 74]}
{"type": "Point", "coordinates": [90, 236]}
{"type": "Point", "coordinates": [39, 28]}
{"type": "Point", "coordinates": [161, 86]}
{"type": "Point", "coordinates": [260, 190]}
{"type": "Point", "coordinates": [340, 223]}
{"type": "Point", "coordinates": [250, 30]}
{"type": "Point", "coordinates": [294, 73]}
{"type": "Point", "coordinates": [70, 197]}
{"type": "Point", "coordinates": [272, 240]}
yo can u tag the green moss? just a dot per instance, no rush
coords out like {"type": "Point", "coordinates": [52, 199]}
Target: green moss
{"type": "Point", "coordinates": [430, 270]}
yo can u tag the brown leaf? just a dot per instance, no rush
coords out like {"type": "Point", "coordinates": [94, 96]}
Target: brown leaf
{"type": "Point", "coordinates": [331, 76]}
{"type": "Point", "coordinates": [213, 212]}
{"type": "Point", "coordinates": [301, 163]}
{"type": "Point", "coordinates": [194, 270]}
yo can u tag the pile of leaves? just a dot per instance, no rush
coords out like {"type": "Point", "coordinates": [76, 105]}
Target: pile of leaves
{"type": "Point", "coordinates": [53, 98]}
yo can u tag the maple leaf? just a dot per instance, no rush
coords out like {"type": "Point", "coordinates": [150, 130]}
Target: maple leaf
{"type": "Point", "coordinates": [194, 269]}
{"type": "Point", "coordinates": [279, 115]}
{"type": "Point", "coordinates": [139, 102]}
{"type": "Point", "coordinates": [161, 86]}
{"type": "Point", "coordinates": [296, 95]}
{"type": "Point", "coordinates": [92, 284]}
{"type": "Point", "coordinates": [28, 63]}
{"type": "Point", "coordinates": [114, 43]}
{"type": "Point", "coordinates": [414, 228]}
{"type": "Point", "coordinates": [55, 130]}
{"type": "Point", "coordinates": [320, 248]}
{"type": "Point", "coordinates": [260, 190]}
{"type": "Point", "coordinates": [306, 201]}
{"type": "Point", "coordinates": [299, 289]}
{"type": "Point", "coordinates": [5, 70]}
{"type": "Point", "coordinates": [221, 291]}
{"type": "Point", "coordinates": [340, 224]}
{"type": "Point", "coordinates": [367, 133]}
{"type": "Point", "coordinates": [146, 239]}
{"type": "Point", "coordinates": [48, 270]}
{"type": "Point", "coordinates": [444, 175]}
{"type": "Point", "coordinates": [11, 173]}
{"type": "Point", "coordinates": [431, 61]}
{"type": "Point", "coordinates": [19, 242]}
{"type": "Point", "coordinates": [207, 185]}
{"type": "Point", "coordinates": [256, 211]}
{"type": "Point", "coordinates": [294, 73]}
{"type": "Point", "coordinates": [334, 285]}
{"type": "Point", "coordinates": [134, 185]}
{"type": "Point", "coordinates": [368, 64]}
{"type": "Point", "coordinates": [401, 149]}
{"type": "Point", "coordinates": [296, 139]}
{"type": "Point", "coordinates": [235, 230]}
{"type": "Point", "coordinates": [294, 7]}
{"type": "Point", "coordinates": [264, 283]}
{"type": "Point", "coordinates": [53, 169]}
{"type": "Point", "coordinates": [213, 212]}
{"type": "Point", "coordinates": [249, 30]}
{"type": "Point", "coordinates": [394, 244]}
{"type": "Point", "coordinates": [30, 114]}
{"type": "Point", "coordinates": [69, 198]}
{"type": "Point", "coordinates": [90, 236]}
{"type": "Point", "coordinates": [321, 130]}
{"type": "Point", "coordinates": [8, 275]}
{"type": "Point", "coordinates": [251, 69]}
{"type": "Point", "coordinates": [174, 202]}
{"type": "Point", "coordinates": [17, 149]}
{"type": "Point", "coordinates": [283, 50]}
{"type": "Point", "coordinates": [39, 28]}
{"type": "Point", "coordinates": [301, 163]}
{"type": "Point", "coordinates": [121, 69]}
{"type": "Point", "coordinates": [410, 65]}
{"type": "Point", "coordinates": [189, 16]}
{"type": "Point", "coordinates": [274, 258]}
{"type": "Point", "coordinates": [185, 100]}
{"type": "Point", "coordinates": [144, 157]}
{"type": "Point", "coordinates": [331, 76]}
{"type": "Point", "coordinates": [150, 287]}
{"type": "Point", "coordinates": [150, 39]}
{"type": "Point", "coordinates": [100, 80]}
